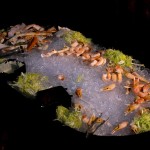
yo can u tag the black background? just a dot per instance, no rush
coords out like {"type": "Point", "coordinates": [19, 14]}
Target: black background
{"type": "Point", "coordinates": [112, 24]}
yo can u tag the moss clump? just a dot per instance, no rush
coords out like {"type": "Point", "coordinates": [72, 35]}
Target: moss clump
{"type": "Point", "coordinates": [72, 36]}
{"type": "Point", "coordinates": [141, 123]}
{"type": "Point", "coordinates": [68, 117]}
{"type": "Point", "coordinates": [117, 57]}
{"type": "Point", "coordinates": [62, 113]}
{"type": "Point", "coordinates": [30, 83]}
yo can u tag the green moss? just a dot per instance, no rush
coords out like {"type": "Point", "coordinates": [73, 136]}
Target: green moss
{"type": "Point", "coordinates": [62, 113]}
{"type": "Point", "coordinates": [117, 57]}
{"type": "Point", "coordinates": [141, 123]}
{"type": "Point", "coordinates": [72, 36]}
{"type": "Point", "coordinates": [68, 117]}
{"type": "Point", "coordinates": [30, 83]}
{"type": "Point", "coordinates": [74, 119]}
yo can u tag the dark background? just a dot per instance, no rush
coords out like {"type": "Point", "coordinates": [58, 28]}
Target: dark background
{"type": "Point", "coordinates": [118, 24]}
